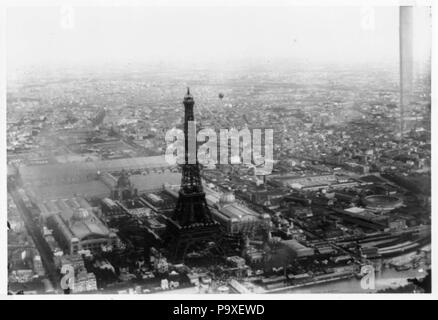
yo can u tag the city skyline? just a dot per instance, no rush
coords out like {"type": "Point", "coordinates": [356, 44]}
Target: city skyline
{"type": "Point", "coordinates": [334, 103]}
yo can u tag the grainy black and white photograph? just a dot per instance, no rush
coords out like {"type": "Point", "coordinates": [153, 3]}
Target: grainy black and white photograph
{"type": "Point", "coordinates": [215, 148]}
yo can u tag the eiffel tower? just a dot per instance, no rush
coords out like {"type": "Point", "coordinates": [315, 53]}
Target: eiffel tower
{"type": "Point", "coordinates": [191, 226]}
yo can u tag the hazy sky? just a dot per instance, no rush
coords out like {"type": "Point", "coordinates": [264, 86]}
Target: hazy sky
{"type": "Point", "coordinates": [142, 34]}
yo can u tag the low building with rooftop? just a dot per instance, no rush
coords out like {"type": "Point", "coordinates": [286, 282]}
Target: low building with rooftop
{"type": "Point", "coordinates": [76, 225]}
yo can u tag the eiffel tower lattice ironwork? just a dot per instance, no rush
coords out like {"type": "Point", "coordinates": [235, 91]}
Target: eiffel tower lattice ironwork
{"type": "Point", "coordinates": [191, 225]}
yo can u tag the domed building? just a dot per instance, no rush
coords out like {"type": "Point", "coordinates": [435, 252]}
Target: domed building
{"type": "Point", "coordinates": [382, 203]}
{"type": "Point", "coordinates": [226, 198]}
{"type": "Point", "coordinates": [80, 214]}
